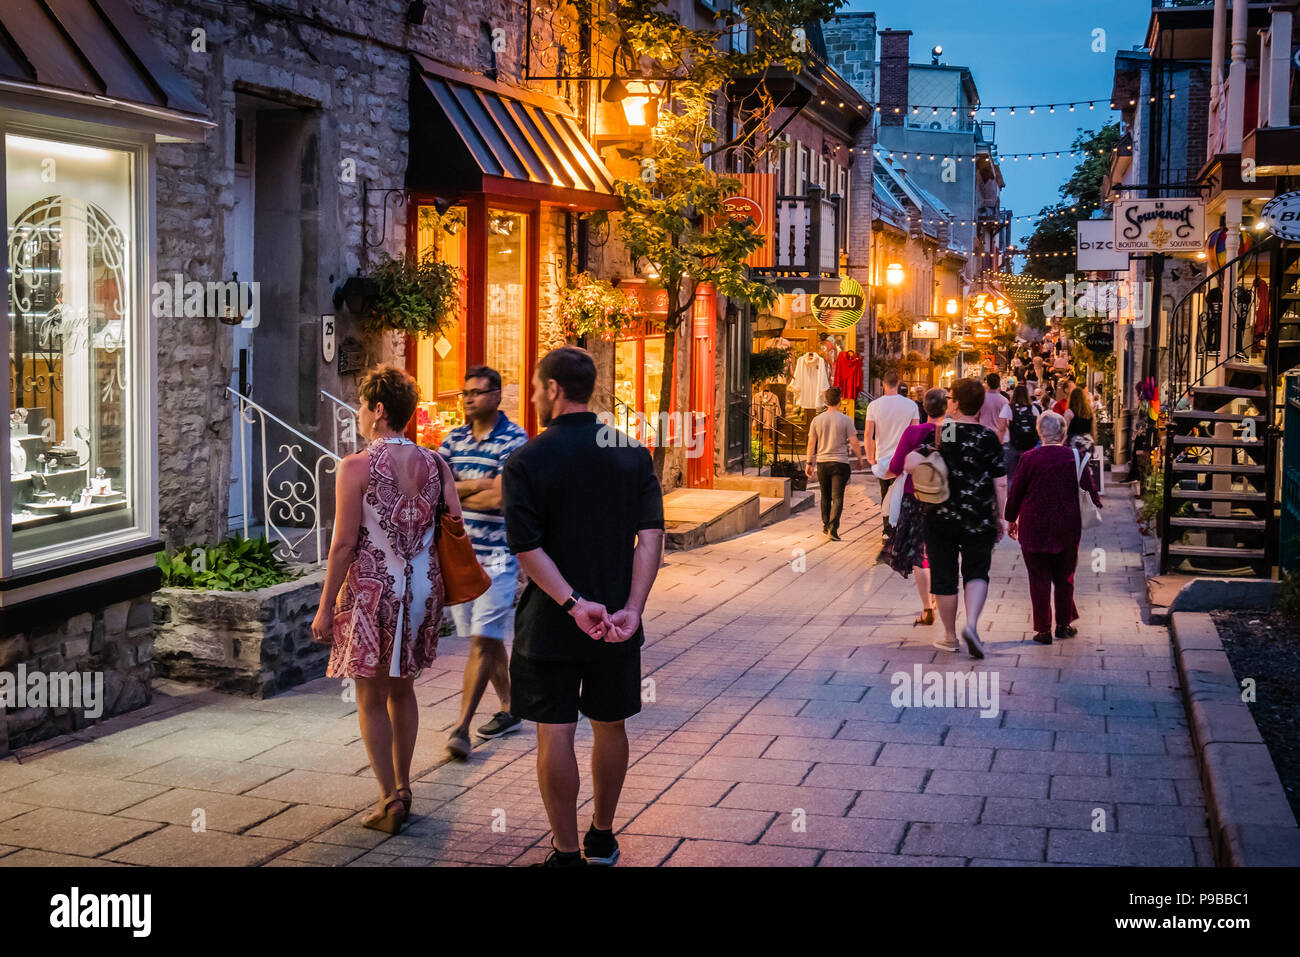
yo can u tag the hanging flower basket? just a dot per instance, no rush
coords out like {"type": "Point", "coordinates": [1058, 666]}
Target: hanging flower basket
{"type": "Point", "coordinates": [594, 307]}
{"type": "Point", "coordinates": [411, 295]}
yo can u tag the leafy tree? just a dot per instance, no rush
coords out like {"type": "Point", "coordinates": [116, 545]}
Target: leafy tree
{"type": "Point", "coordinates": [671, 216]}
{"type": "Point", "coordinates": [1057, 230]}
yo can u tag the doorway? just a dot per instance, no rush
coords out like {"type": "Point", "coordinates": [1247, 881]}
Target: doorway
{"type": "Point", "coordinates": [239, 256]}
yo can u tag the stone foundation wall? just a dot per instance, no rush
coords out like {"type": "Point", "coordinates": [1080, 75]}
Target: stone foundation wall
{"type": "Point", "coordinates": [113, 644]}
{"type": "Point", "coordinates": [253, 643]}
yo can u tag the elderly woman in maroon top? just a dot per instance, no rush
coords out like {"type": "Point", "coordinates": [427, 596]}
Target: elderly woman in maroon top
{"type": "Point", "coordinates": [1043, 512]}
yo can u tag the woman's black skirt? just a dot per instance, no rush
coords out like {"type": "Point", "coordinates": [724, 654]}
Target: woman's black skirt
{"type": "Point", "coordinates": [906, 549]}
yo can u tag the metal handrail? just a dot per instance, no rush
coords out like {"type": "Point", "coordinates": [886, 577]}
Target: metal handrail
{"type": "Point", "coordinates": [286, 492]}
{"type": "Point", "coordinates": [345, 418]}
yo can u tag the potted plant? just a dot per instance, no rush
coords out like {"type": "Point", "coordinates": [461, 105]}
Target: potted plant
{"type": "Point", "coordinates": [416, 296]}
{"type": "Point", "coordinates": [236, 618]}
{"type": "Point", "coordinates": [767, 364]}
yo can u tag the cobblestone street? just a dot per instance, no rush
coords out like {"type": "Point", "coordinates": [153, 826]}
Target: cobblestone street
{"type": "Point", "coordinates": [770, 739]}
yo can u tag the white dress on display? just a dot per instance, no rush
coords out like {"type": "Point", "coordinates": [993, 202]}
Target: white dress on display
{"type": "Point", "coordinates": [811, 381]}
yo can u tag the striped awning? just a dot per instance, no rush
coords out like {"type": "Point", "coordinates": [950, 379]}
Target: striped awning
{"type": "Point", "coordinates": [472, 134]}
{"type": "Point", "coordinates": [96, 53]}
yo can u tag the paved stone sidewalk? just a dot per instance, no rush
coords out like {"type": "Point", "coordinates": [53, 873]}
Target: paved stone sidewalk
{"type": "Point", "coordinates": [771, 738]}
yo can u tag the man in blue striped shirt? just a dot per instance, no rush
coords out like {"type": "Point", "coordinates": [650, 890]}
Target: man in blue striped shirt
{"type": "Point", "coordinates": [477, 452]}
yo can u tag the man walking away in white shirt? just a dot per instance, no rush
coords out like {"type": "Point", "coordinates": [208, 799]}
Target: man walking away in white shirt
{"type": "Point", "coordinates": [831, 436]}
{"type": "Point", "coordinates": [887, 419]}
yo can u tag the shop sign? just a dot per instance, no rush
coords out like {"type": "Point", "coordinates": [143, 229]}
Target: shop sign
{"type": "Point", "coordinates": [1095, 247]}
{"type": "Point", "coordinates": [757, 201]}
{"type": "Point", "coordinates": [840, 310]}
{"type": "Point", "coordinates": [1282, 216]}
{"type": "Point", "coordinates": [925, 329]}
{"type": "Point", "coordinates": [1159, 225]}
{"type": "Point", "coordinates": [352, 356]}
{"type": "Point", "coordinates": [327, 338]}
{"type": "Point", "coordinates": [989, 306]}
{"type": "Point", "coordinates": [653, 301]}
{"type": "Point", "coordinates": [1100, 339]}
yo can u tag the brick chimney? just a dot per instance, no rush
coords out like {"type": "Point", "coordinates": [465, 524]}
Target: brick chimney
{"type": "Point", "coordinates": [893, 76]}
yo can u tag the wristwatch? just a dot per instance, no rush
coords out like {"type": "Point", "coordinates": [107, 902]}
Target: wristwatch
{"type": "Point", "coordinates": [573, 600]}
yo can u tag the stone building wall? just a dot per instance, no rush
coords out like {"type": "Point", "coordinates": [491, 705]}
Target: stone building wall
{"type": "Point", "coordinates": [348, 70]}
{"type": "Point", "coordinates": [109, 648]}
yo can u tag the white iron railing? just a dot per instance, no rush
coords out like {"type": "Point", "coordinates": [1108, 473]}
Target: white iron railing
{"type": "Point", "coordinates": [347, 438]}
{"type": "Point", "coordinates": [291, 488]}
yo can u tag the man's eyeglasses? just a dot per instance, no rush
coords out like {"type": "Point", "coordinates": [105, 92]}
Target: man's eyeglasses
{"type": "Point", "coordinates": [475, 393]}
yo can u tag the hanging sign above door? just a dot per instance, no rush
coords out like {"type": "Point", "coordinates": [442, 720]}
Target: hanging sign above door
{"type": "Point", "coordinates": [1282, 216]}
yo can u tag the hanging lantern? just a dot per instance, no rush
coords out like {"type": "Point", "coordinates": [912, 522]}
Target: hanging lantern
{"type": "Point", "coordinates": [1216, 247]}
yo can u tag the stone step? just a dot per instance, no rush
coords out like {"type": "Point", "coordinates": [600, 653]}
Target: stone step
{"type": "Point", "coordinates": [695, 517]}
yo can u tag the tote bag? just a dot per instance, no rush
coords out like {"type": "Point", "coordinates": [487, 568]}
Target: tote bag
{"type": "Point", "coordinates": [1089, 514]}
{"type": "Point", "coordinates": [463, 578]}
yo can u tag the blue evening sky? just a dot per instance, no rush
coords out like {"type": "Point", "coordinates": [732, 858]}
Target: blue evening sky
{"type": "Point", "coordinates": [1022, 52]}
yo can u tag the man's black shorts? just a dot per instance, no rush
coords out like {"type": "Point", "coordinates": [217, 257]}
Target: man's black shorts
{"type": "Point", "coordinates": [553, 692]}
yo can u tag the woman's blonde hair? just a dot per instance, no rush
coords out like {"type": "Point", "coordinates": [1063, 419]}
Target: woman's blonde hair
{"type": "Point", "coordinates": [1078, 404]}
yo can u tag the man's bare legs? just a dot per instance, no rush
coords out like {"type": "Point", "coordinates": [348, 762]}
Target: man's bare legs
{"type": "Point", "coordinates": [557, 778]}
{"type": "Point", "coordinates": [608, 769]}
{"type": "Point", "coordinates": [488, 661]}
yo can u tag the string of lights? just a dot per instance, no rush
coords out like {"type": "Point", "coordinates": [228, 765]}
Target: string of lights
{"type": "Point", "coordinates": [1067, 152]}
{"type": "Point", "coordinates": [1025, 109]}
{"type": "Point", "coordinates": [914, 219]}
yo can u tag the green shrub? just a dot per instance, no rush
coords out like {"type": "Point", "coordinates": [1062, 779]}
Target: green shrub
{"type": "Point", "coordinates": [1288, 596]}
{"type": "Point", "coordinates": [1153, 502]}
{"type": "Point", "coordinates": [235, 564]}
{"type": "Point", "coordinates": [758, 454]}
{"type": "Point", "coordinates": [767, 364]}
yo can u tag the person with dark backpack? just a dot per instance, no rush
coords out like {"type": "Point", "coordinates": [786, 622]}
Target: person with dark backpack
{"type": "Point", "coordinates": [1022, 434]}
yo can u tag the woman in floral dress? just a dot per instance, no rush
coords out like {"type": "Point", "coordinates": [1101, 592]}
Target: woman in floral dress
{"type": "Point", "coordinates": [381, 605]}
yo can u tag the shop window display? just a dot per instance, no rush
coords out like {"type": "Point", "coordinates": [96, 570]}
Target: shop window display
{"type": "Point", "coordinates": [73, 326]}
{"type": "Point", "coordinates": [440, 359]}
{"type": "Point", "coordinates": [638, 377]}
{"type": "Point", "coordinates": [506, 329]}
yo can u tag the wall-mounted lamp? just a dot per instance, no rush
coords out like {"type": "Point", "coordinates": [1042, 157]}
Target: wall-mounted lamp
{"type": "Point", "coordinates": [639, 99]}
{"type": "Point", "coordinates": [894, 274]}
{"type": "Point", "coordinates": [951, 307]}
{"type": "Point", "coordinates": [357, 293]}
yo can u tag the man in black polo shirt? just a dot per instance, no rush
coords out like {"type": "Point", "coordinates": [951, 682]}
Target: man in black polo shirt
{"type": "Point", "coordinates": [584, 513]}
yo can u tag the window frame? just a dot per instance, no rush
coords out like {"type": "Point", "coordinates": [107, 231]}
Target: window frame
{"type": "Point", "coordinates": [142, 389]}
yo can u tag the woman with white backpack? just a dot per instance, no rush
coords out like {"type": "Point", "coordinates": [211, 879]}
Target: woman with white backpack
{"type": "Point", "coordinates": [1052, 498]}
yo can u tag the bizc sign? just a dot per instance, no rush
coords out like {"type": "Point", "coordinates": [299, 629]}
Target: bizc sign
{"type": "Point", "coordinates": [1282, 216]}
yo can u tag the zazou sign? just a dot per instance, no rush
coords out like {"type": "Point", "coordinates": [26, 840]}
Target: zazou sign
{"type": "Point", "coordinates": [1282, 216]}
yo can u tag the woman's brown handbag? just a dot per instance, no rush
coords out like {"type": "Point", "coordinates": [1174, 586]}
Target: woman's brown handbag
{"type": "Point", "coordinates": [463, 578]}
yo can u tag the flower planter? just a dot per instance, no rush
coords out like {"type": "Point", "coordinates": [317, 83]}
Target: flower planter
{"type": "Point", "coordinates": [255, 643]}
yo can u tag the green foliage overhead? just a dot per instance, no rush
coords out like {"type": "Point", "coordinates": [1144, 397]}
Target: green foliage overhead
{"type": "Point", "coordinates": [1057, 232]}
{"type": "Point", "coordinates": [767, 364]}
{"type": "Point", "coordinates": [235, 564]}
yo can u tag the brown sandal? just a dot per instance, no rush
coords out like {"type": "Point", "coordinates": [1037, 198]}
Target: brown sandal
{"type": "Point", "coordinates": [405, 796]}
{"type": "Point", "coordinates": [926, 618]}
{"type": "Point", "coordinates": [390, 819]}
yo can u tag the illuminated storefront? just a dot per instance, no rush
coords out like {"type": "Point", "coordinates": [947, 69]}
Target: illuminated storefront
{"type": "Point", "coordinates": [497, 174]}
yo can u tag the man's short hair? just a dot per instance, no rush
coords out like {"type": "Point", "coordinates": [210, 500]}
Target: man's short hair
{"type": "Point", "coordinates": [833, 396]}
{"type": "Point", "coordinates": [970, 396]}
{"type": "Point", "coordinates": [891, 379]}
{"type": "Point", "coordinates": [484, 372]}
{"type": "Point", "coordinates": [993, 381]}
{"type": "Point", "coordinates": [936, 403]}
{"type": "Point", "coordinates": [573, 370]}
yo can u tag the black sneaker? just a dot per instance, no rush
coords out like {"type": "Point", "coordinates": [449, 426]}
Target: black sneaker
{"type": "Point", "coordinates": [558, 859]}
{"type": "Point", "coordinates": [600, 847]}
{"type": "Point", "coordinates": [835, 536]}
{"type": "Point", "coordinates": [503, 722]}
{"type": "Point", "coordinates": [1066, 631]}
{"type": "Point", "coordinates": [1043, 637]}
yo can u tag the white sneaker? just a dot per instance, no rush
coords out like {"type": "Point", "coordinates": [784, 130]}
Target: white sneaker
{"type": "Point", "coordinates": [947, 644]}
